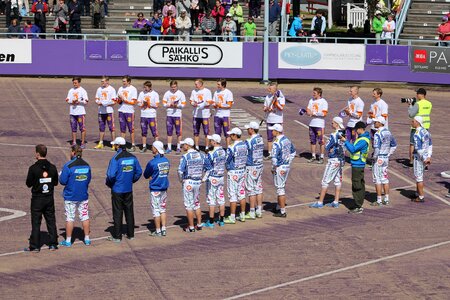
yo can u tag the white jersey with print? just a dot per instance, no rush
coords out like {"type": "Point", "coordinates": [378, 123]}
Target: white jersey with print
{"type": "Point", "coordinates": [178, 99]}
{"type": "Point", "coordinates": [203, 100]}
{"type": "Point", "coordinates": [148, 103]}
{"type": "Point", "coordinates": [129, 96]}
{"type": "Point", "coordinates": [221, 101]}
{"type": "Point", "coordinates": [77, 95]}
{"type": "Point", "coordinates": [319, 108]}
{"type": "Point", "coordinates": [378, 109]}
{"type": "Point", "coordinates": [389, 26]}
{"type": "Point", "coordinates": [356, 108]}
{"type": "Point", "coordinates": [275, 116]}
{"type": "Point", "coordinates": [105, 98]}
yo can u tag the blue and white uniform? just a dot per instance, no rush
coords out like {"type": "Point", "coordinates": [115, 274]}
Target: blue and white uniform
{"type": "Point", "coordinates": [158, 170]}
{"type": "Point", "coordinates": [76, 176]}
{"type": "Point", "coordinates": [254, 168]}
{"type": "Point", "coordinates": [336, 160]}
{"type": "Point", "coordinates": [283, 153]}
{"type": "Point", "coordinates": [190, 173]}
{"type": "Point", "coordinates": [214, 176]}
{"type": "Point", "coordinates": [423, 149]}
{"type": "Point", "coordinates": [235, 164]}
{"type": "Point", "coordinates": [384, 145]}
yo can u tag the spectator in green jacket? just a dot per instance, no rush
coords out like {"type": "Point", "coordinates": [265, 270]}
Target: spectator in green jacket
{"type": "Point", "coordinates": [377, 25]}
{"type": "Point", "coordinates": [237, 15]}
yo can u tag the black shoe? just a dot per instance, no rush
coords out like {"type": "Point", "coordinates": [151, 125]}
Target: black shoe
{"type": "Point", "coordinates": [409, 165]}
{"type": "Point", "coordinates": [280, 215]}
{"type": "Point", "coordinates": [417, 199]}
{"type": "Point", "coordinates": [426, 168]}
{"type": "Point", "coordinates": [187, 229]}
{"type": "Point", "coordinates": [52, 247]}
{"type": "Point", "coordinates": [35, 250]}
{"type": "Point", "coordinates": [357, 210]}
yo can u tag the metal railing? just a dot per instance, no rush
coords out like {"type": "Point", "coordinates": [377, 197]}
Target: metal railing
{"type": "Point", "coordinates": [399, 23]}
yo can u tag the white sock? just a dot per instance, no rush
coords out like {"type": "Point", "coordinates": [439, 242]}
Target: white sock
{"type": "Point", "coordinates": [322, 156]}
{"type": "Point", "coordinates": [386, 198]}
{"type": "Point", "coordinates": [69, 239]}
{"type": "Point", "coordinates": [191, 228]}
{"type": "Point", "coordinates": [283, 210]}
{"type": "Point", "coordinates": [421, 197]}
{"type": "Point", "coordinates": [313, 156]}
{"type": "Point", "coordinates": [232, 216]}
{"type": "Point", "coordinates": [100, 142]}
{"type": "Point", "coordinates": [252, 210]}
{"type": "Point", "coordinates": [163, 228]}
{"type": "Point", "coordinates": [178, 146]}
{"type": "Point", "coordinates": [169, 146]}
{"type": "Point", "coordinates": [86, 238]}
{"type": "Point", "coordinates": [158, 230]}
{"type": "Point", "coordinates": [259, 209]}
{"type": "Point", "coordinates": [379, 199]}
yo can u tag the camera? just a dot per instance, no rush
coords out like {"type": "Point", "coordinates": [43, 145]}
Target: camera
{"type": "Point", "coordinates": [411, 101]}
{"type": "Point", "coordinates": [341, 133]}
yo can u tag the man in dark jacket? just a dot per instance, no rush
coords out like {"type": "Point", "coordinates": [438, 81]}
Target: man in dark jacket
{"type": "Point", "coordinates": [123, 170]}
{"type": "Point", "coordinates": [42, 178]}
{"type": "Point", "coordinates": [74, 19]}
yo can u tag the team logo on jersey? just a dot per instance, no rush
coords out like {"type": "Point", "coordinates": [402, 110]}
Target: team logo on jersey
{"type": "Point", "coordinates": [214, 181]}
{"type": "Point", "coordinates": [235, 177]}
{"type": "Point", "coordinates": [45, 174]}
{"type": "Point", "coordinates": [282, 173]}
{"type": "Point", "coordinates": [127, 169]}
{"type": "Point", "coordinates": [81, 178]}
{"type": "Point", "coordinates": [380, 162]}
{"type": "Point", "coordinates": [255, 172]}
{"type": "Point", "coordinates": [188, 188]}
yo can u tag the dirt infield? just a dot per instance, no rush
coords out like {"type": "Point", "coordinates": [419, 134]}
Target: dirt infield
{"type": "Point", "coordinates": [396, 252]}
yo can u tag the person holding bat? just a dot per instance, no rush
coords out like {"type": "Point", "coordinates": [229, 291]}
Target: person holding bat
{"type": "Point", "coordinates": [77, 98]}
{"type": "Point", "coordinates": [148, 100]}
{"type": "Point", "coordinates": [174, 100]}
{"type": "Point", "coordinates": [273, 107]}
{"type": "Point", "coordinates": [127, 98]}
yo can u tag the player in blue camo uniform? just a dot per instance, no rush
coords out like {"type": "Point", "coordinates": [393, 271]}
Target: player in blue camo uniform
{"type": "Point", "coordinates": [123, 171]}
{"type": "Point", "coordinates": [283, 153]}
{"type": "Point", "coordinates": [76, 176]}
{"type": "Point", "coordinates": [235, 165]}
{"type": "Point", "coordinates": [214, 178]}
{"type": "Point", "coordinates": [384, 145]}
{"type": "Point", "coordinates": [254, 170]}
{"type": "Point", "coordinates": [190, 173]}
{"type": "Point", "coordinates": [157, 170]}
{"type": "Point", "coordinates": [423, 150]}
{"type": "Point", "coordinates": [333, 169]}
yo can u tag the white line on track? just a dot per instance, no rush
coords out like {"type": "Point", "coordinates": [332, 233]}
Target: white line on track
{"type": "Point", "coordinates": [367, 263]}
{"type": "Point", "coordinates": [15, 214]}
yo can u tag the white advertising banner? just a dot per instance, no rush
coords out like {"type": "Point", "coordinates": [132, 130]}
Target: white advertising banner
{"type": "Point", "coordinates": [185, 55]}
{"type": "Point", "coordinates": [15, 51]}
{"type": "Point", "coordinates": [321, 56]}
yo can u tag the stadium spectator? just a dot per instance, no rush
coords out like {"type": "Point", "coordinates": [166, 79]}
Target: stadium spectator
{"type": "Point", "coordinates": [14, 30]}
{"type": "Point", "coordinates": [39, 9]}
{"type": "Point", "coordinates": [142, 23]}
{"type": "Point", "coordinates": [351, 31]}
{"type": "Point", "coordinates": [186, 5]}
{"type": "Point", "coordinates": [105, 6]}
{"type": "Point", "coordinates": [168, 25]}
{"type": "Point", "coordinates": [24, 7]}
{"type": "Point", "coordinates": [228, 29]}
{"type": "Point", "coordinates": [319, 24]}
{"type": "Point", "coordinates": [61, 12]}
{"type": "Point", "coordinates": [227, 5]}
{"type": "Point", "coordinates": [237, 15]}
{"type": "Point", "coordinates": [85, 7]}
{"type": "Point", "coordinates": [377, 25]}
{"type": "Point", "coordinates": [211, 4]}
{"type": "Point", "coordinates": [250, 30]}
{"type": "Point", "coordinates": [254, 7]}
{"type": "Point", "coordinates": [208, 26]}
{"type": "Point", "coordinates": [169, 7]}
{"type": "Point", "coordinates": [98, 14]}
{"type": "Point", "coordinates": [444, 32]}
{"type": "Point", "coordinates": [42, 178]}
{"type": "Point", "coordinates": [158, 5]}
{"type": "Point", "coordinates": [218, 13]}
{"type": "Point", "coordinates": [296, 27]}
{"type": "Point", "coordinates": [388, 29]}
{"type": "Point", "coordinates": [274, 15]}
{"type": "Point", "coordinates": [155, 26]}
{"type": "Point", "coordinates": [30, 31]}
{"type": "Point", "coordinates": [183, 25]}
{"type": "Point", "coordinates": [11, 11]}
{"type": "Point", "coordinates": [195, 11]}
{"type": "Point", "coordinates": [74, 19]}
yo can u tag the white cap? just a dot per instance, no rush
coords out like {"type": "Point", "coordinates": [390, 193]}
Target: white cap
{"type": "Point", "coordinates": [188, 141]}
{"type": "Point", "coordinates": [277, 127]}
{"type": "Point", "coordinates": [379, 119]}
{"type": "Point", "coordinates": [235, 130]}
{"type": "Point", "coordinates": [229, 15]}
{"type": "Point", "coordinates": [215, 137]}
{"type": "Point", "coordinates": [159, 146]}
{"type": "Point", "coordinates": [252, 125]}
{"type": "Point", "coordinates": [119, 141]}
{"type": "Point", "coordinates": [419, 119]}
{"type": "Point", "coordinates": [339, 121]}
{"type": "Point", "coordinates": [377, 12]}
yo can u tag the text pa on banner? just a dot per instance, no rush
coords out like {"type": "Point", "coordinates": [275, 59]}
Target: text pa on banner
{"type": "Point", "coordinates": [14, 51]}
{"type": "Point", "coordinates": [430, 59]}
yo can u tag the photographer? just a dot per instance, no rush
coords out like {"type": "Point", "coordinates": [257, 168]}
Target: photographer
{"type": "Point", "coordinates": [422, 108]}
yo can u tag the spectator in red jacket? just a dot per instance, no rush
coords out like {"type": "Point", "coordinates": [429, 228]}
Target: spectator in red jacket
{"type": "Point", "coordinates": [40, 8]}
{"type": "Point", "coordinates": [168, 26]}
{"type": "Point", "coordinates": [444, 32]}
{"type": "Point", "coordinates": [218, 13]}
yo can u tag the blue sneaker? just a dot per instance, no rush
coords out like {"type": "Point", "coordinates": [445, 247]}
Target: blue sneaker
{"type": "Point", "coordinates": [87, 242]}
{"type": "Point", "coordinates": [220, 223]}
{"type": "Point", "coordinates": [333, 204]}
{"type": "Point", "coordinates": [209, 225]}
{"type": "Point", "coordinates": [316, 205]}
{"type": "Point", "coordinates": [168, 151]}
{"type": "Point", "coordinates": [65, 244]}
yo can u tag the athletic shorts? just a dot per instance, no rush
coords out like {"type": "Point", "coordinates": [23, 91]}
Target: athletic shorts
{"type": "Point", "coordinates": [316, 135]}
{"type": "Point", "coordinates": [77, 121]}
{"type": "Point", "coordinates": [280, 178]}
{"type": "Point", "coordinates": [104, 119]}
{"type": "Point", "coordinates": [70, 207]}
{"type": "Point", "coordinates": [214, 191]}
{"type": "Point", "coordinates": [236, 185]}
{"type": "Point", "coordinates": [222, 123]}
{"type": "Point", "coordinates": [172, 122]}
{"type": "Point", "coordinates": [146, 123]}
{"type": "Point", "coordinates": [269, 132]}
{"type": "Point", "coordinates": [418, 168]}
{"type": "Point", "coordinates": [333, 172]}
{"type": "Point", "coordinates": [380, 170]}
{"type": "Point", "coordinates": [126, 120]}
{"type": "Point", "coordinates": [253, 180]}
{"type": "Point", "coordinates": [197, 122]}
{"type": "Point", "coordinates": [158, 200]}
{"type": "Point", "coordinates": [191, 194]}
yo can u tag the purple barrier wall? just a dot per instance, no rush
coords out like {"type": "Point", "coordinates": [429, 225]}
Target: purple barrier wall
{"type": "Point", "coordinates": [96, 58]}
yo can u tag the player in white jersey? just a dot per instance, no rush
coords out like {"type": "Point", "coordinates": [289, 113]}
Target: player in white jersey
{"type": "Point", "coordinates": [254, 171]}
{"type": "Point", "coordinates": [127, 98]}
{"type": "Point", "coordinates": [317, 109]}
{"type": "Point", "coordinates": [354, 110]}
{"type": "Point", "coordinates": [200, 99]}
{"type": "Point", "coordinates": [148, 101]}
{"type": "Point", "coordinates": [77, 98]}
{"type": "Point", "coordinates": [283, 153]}
{"type": "Point", "coordinates": [378, 108]}
{"type": "Point", "coordinates": [273, 108]}
{"type": "Point", "coordinates": [174, 101]}
{"type": "Point", "coordinates": [335, 163]}
{"type": "Point", "coordinates": [105, 99]}
{"type": "Point", "coordinates": [384, 145]}
{"type": "Point", "coordinates": [222, 102]}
